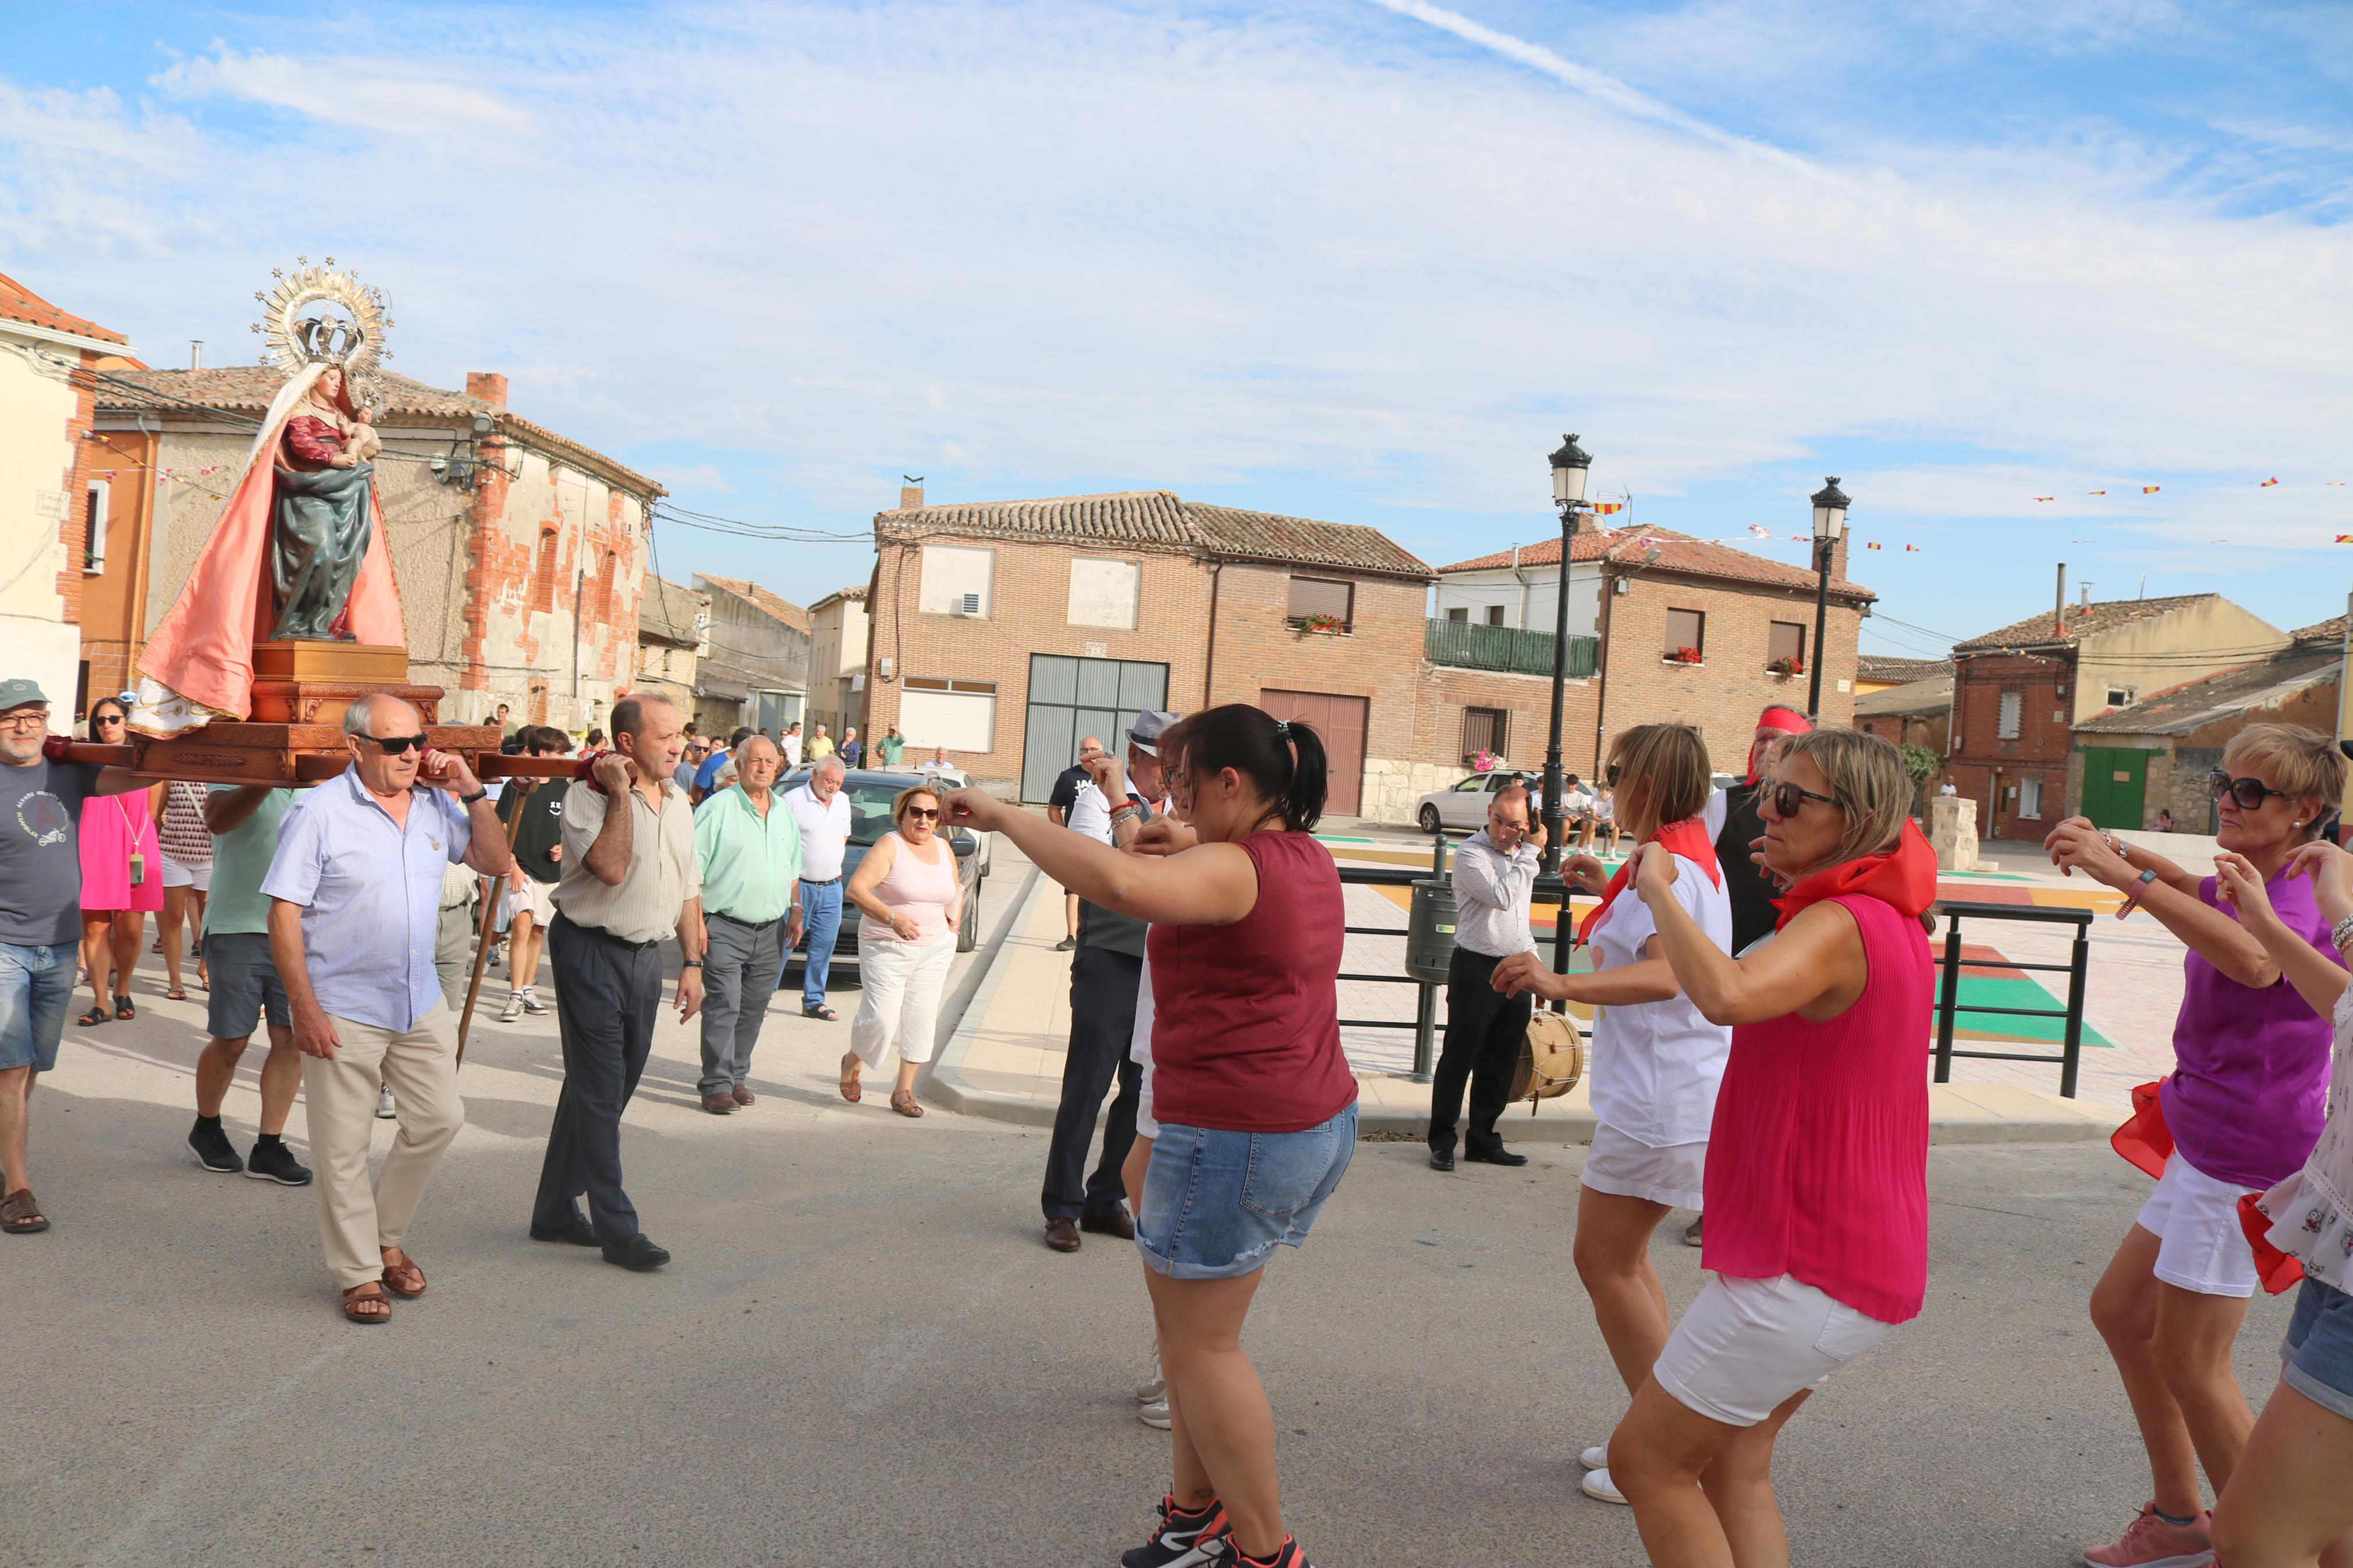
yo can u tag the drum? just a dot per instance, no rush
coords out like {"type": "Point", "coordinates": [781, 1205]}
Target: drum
{"type": "Point", "coordinates": [1552, 1059]}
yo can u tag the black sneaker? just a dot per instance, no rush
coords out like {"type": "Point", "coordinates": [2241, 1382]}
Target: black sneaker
{"type": "Point", "coordinates": [1290, 1556]}
{"type": "Point", "coordinates": [212, 1147]}
{"type": "Point", "coordinates": [276, 1162]}
{"type": "Point", "coordinates": [1183, 1541]}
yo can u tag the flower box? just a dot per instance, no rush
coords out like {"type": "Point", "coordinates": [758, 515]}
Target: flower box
{"type": "Point", "coordinates": [1786, 667]}
{"type": "Point", "coordinates": [1683, 656]}
{"type": "Point", "coordinates": [1330, 626]}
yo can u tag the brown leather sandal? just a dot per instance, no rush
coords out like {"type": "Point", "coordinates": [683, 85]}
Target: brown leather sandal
{"type": "Point", "coordinates": [904, 1104]}
{"type": "Point", "coordinates": [404, 1278]}
{"type": "Point", "coordinates": [362, 1295]}
{"type": "Point", "coordinates": [849, 1090]}
{"type": "Point", "coordinates": [20, 1213]}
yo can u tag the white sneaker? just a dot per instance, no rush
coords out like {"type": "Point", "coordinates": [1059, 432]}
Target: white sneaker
{"type": "Point", "coordinates": [383, 1103]}
{"type": "Point", "coordinates": [1597, 1458]}
{"type": "Point", "coordinates": [1597, 1484]}
{"type": "Point", "coordinates": [1154, 1386]}
{"type": "Point", "coordinates": [1155, 1414]}
{"type": "Point", "coordinates": [513, 1009]}
{"type": "Point", "coordinates": [533, 1005]}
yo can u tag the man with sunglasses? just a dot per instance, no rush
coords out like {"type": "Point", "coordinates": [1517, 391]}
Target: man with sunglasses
{"type": "Point", "coordinates": [356, 901]}
{"type": "Point", "coordinates": [40, 917]}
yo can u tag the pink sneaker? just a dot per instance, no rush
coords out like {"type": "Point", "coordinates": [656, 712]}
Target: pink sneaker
{"type": "Point", "coordinates": [2152, 1543]}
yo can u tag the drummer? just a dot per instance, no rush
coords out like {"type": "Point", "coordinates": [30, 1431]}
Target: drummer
{"type": "Point", "coordinates": [1656, 1061]}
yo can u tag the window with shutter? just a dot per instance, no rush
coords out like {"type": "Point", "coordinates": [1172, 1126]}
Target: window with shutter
{"type": "Point", "coordinates": [1686, 631]}
{"type": "Point", "coordinates": [2012, 703]}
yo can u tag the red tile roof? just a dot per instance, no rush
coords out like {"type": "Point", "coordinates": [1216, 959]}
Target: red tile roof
{"type": "Point", "coordinates": [1162, 518]}
{"type": "Point", "coordinates": [18, 303]}
{"type": "Point", "coordinates": [2083, 620]}
{"type": "Point", "coordinates": [1678, 552]}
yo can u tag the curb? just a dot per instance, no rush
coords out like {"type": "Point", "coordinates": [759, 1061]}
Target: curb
{"type": "Point", "coordinates": [945, 1086]}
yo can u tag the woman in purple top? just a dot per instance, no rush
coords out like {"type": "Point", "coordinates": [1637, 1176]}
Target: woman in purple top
{"type": "Point", "coordinates": [2244, 1105]}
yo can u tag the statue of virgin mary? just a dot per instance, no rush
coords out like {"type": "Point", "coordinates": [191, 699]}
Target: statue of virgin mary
{"type": "Point", "coordinates": [299, 553]}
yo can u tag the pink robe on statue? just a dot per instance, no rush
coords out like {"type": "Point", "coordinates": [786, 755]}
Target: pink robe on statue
{"type": "Point", "coordinates": [202, 651]}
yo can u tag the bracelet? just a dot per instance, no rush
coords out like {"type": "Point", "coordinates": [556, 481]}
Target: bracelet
{"type": "Point", "coordinates": [690, 964]}
{"type": "Point", "coordinates": [2343, 934]}
{"type": "Point", "coordinates": [471, 799]}
{"type": "Point", "coordinates": [2132, 899]}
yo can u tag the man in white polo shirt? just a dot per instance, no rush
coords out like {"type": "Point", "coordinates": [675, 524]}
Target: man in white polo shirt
{"type": "Point", "coordinates": [821, 812]}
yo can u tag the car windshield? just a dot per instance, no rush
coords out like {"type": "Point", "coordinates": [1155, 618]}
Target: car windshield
{"type": "Point", "coordinates": [869, 808]}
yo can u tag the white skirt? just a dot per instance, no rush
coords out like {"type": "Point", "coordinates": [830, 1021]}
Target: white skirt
{"type": "Point", "coordinates": [1621, 1164]}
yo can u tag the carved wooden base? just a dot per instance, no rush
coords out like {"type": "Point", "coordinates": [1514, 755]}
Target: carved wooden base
{"type": "Point", "coordinates": [280, 753]}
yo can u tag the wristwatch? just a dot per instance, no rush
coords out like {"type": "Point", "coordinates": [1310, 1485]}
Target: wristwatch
{"type": "Point", "coordinates": [690, 964]}
{"type": "Point", "coordinates": [471, 799]}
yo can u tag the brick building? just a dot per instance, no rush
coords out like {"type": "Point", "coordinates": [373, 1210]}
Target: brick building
{"type": "Point", "coordinates": [1642, 600]}
{"type": "Point", "coordinates": [517, 553]}
{"type": "Point", "coordinates": [754, 666]}
{"type": "Point", "coordinates": [1882, 672]}
{"type": "Point", "coordinates": [673, 623]}
{"type": "Point", "coordinates": [2019, 692]}
{"type": "Point", "coordinates": [1916, 713]}
{"type": "Point", "coordinates": [48, 492]}
{"type": "Point", "coordinates": [2158, 752]}
{"type": "Point", "coordinates": [1002, 631]}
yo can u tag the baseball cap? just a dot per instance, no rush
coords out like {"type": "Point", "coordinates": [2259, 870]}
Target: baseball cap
{"type": "Point", "coordinates": [1146, 733]}
{"type": "Point", "coordinates": [21, 693]}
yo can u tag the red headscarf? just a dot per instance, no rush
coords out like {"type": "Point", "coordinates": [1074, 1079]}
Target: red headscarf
{"type": "Point", "coordinates": [1687, 838]}
{"type": "Point", "coordinates": [1904, 878]}
{"type": "Point", "coordinates": [1788, 720]}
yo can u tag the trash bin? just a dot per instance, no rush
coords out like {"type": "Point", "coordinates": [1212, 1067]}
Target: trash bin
{"type": "Point", "coordinates": [1429, 931]}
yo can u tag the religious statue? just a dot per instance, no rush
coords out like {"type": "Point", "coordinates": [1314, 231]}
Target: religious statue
{"type": "Point", "coordinates": [299, 553]}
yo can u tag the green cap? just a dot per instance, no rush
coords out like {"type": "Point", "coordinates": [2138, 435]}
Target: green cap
{"type": "Point", "coordinates": [21, 693]}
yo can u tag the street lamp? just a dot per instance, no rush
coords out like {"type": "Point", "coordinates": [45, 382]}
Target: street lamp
{"type": "Point", "coordinates": [1569, 464]}
{"type": "Point", "coordinates": [1829, 522]}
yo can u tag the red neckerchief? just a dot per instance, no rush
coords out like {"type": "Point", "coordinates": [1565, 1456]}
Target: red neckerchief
{"type": "Point", "coordinates": [1687, 838]}
{"type": "Point", "coordinates": [1904, 878]}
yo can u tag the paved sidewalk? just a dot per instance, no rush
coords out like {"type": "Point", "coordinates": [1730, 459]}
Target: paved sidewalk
{"type": "Point", "coordinates": [1005, 1060]}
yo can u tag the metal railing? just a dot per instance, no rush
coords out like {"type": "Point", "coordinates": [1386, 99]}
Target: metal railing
{"type": "Point", "coordinates": [2076, 969]}
{"type": "Point", "coordinates": [1548, 890]}
{"type": "Point", "coordinates": [1466, 645]}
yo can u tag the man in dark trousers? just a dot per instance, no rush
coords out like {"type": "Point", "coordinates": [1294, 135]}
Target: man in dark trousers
{"type": "Point", "coordinates": [1105, 971]}
{"type": "Point", "coordinates": [1494, 877]}
{"type": "Point", "coordinates": [630, 879]}
{"type": "Point", "coordinates": [1059, 801]}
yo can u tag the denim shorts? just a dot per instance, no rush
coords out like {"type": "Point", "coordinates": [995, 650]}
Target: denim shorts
{"type": "Point", "coordinates": [36, 987]}
{"type": "Point", "coordinates": [2318, 1351]}
{"type": "Point", "coordinates": [1217, 1203]}
{"type": "Point", "coordinates": [245, 985]}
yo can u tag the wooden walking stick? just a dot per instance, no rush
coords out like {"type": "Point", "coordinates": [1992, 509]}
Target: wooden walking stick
{"type": "Point", "coordinates": [491, 919]}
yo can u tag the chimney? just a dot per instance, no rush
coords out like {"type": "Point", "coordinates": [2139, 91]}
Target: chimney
{"type": "Point", "coordinates": [195, 353]}
{"type": "Point", "coordinates": [487, 385]}
{"type": "Point", "coordinates": [2086, 589]}
{"type": "Point", "coordinates": [2059, 610]}
{"type": "Point", "coordinates": [911, 492]}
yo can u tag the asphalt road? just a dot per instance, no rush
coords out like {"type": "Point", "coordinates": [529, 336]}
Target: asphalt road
{"type": "Point", "coordinates": [863, 1355]}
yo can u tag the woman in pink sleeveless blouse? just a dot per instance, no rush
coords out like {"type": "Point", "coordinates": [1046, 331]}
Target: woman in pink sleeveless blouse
{"type": "Point", "coordinates": [908, 891]}
{"type": "Point", "coordinates": [1817, 1157]}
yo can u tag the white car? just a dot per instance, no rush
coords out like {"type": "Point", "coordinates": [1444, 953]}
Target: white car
{"type": "Point", "coordinates": [1465, 804]}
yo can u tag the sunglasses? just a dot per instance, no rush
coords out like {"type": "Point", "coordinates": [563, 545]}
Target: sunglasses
{"type": "Point", "coordinates": [2250, 792]}
{"type": "Point", "coordinates": [926, 813]}
{"type": "Point", "coordinates": [108, 719]}
{"type": "Point", "coordinates": [394, 745]}
{"type": "Point", "coordinates": [1789, 800]}
{"type": "Point", "coordinates": [1609, 775]}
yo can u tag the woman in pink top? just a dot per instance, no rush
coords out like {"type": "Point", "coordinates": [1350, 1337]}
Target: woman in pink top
{"type": "Point", "coordinates": [121, 878]}
{"type": "Point", "coordinates": [1256, 1106]}
{"type": "Point", "coordinates": [908, 891]}
{"type": "Point", "coordinates": [1817, 1157]}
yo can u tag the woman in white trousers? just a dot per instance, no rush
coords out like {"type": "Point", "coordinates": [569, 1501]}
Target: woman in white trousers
{"type": "Point", "coordinates": [910, 897]}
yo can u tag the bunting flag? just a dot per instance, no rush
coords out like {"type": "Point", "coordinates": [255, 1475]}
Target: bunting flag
{"type": "Point", "coordinates": [2344, 539]}
{"type": "Point", "coordinates": [1760, 530]}
{"type": "Point", "coordinates": [1872, 544]}
{"type": "Point", "coordinates": [1607, 508]}
{"type": "Point", "coordinates": [2337, 484]}
{"type": "Point", "coordinates": [2098, 492]}
{"type": "Point", "coordinates": [2150, 489]}
{"type": "Point", "coordinates": [2046, 498]}
{"type": "Point", "coordinates": [1914, 549]}
{"type": "Point", "coordinates": [2267, 484]}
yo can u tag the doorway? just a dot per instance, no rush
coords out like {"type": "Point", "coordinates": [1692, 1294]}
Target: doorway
{"type": "Point", "coordinates": [1340, 723]}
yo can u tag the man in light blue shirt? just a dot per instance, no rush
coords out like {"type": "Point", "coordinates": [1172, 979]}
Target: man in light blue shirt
{"type": "Point", "coordinates": [356, 901]}
{"type": "Point", "coordinates": [750, 855]}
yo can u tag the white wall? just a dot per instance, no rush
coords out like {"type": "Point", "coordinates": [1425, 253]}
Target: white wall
{"type": "Point", "coordinates": [37, 456]}
{"type": "Point", "coordinates": [952, 571]}
{"type": "Point", "coordinates": [1529, 605]}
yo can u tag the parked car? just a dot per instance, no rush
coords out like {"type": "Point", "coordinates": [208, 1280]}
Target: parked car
{"type": "Point", "coordinates": [871, 792]}
{"type": "Point", "coordinates": [1464, 805]}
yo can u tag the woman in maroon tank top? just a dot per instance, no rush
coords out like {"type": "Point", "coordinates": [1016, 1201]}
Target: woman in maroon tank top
{"type": "Point", "coordinates": [1255, 1104]}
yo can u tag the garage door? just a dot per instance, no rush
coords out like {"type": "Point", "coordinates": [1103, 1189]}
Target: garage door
{"type": "Point", "coordinates": [1073, 697]}
{"type": "Point", "coordinates": [1340, 721]}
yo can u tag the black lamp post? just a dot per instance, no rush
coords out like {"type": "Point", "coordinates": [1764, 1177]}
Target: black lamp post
{"type": "Point", "coordinates": [1829, 521]}
{"type": "Point", "coordinates": [1568, 467]}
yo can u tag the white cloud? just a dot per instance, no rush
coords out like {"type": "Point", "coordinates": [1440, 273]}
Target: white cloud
{"type": "Point", "coordinates": [1016, 246]}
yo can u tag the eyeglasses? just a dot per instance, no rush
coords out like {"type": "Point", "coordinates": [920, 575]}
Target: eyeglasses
{"type": "Point", "coordinates": [2250, 792]}
{"type": "Point", "coordinates": [926, 814]}
{"type": "Point", "coordinates": [25, 719]}
{"type": "Point", "coordinates": [1789, 800]}
{"type": "Point", "coordinates": [394, 745]}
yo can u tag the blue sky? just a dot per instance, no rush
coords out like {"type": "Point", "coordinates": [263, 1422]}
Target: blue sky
{"type": "Point", "coordinates": [1357, 260]}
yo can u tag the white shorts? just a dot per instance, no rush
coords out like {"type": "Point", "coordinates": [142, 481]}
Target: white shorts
{"type": "Point", "coordinates": [1621, 1164]}
{"type": "Point", "coordinates": [177, 875]}
{"type": "Point", "coordinates": [2195, 1219]}
{"type": "Point", "coordinates": [535, 897]}
{"type": "Point", "coordinates": [1746, 1345]}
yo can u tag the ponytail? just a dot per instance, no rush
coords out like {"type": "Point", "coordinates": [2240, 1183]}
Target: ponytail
{"type": "Point", "coordinates": [1283, 759]}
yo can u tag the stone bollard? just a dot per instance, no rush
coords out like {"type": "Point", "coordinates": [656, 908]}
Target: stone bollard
{"type": "Point", "coordinates": [1953, 832]}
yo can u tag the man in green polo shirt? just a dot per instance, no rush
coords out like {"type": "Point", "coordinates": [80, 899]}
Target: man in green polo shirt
{"type": "Point", "coordinates": [750, 855]}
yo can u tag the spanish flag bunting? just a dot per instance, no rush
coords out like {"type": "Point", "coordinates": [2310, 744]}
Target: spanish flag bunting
{"type": "Point", "coordinates": [1913, 549]}
{"type": "Point", "coordinates": [2337, 484]}
{"type": "Point", "coordinates": [1607, 507]}
{"type": "Point", "coordinates": [1870, 544]}
{"type": "Point", "coordinates": [2267, 484]}
{"type": "Point", "coordinates": [2099, 492]}
{"type": "Point", "coordinates": [2046, 498]}
{"type": "Point", "coordinates": [2150, 489]}
{"type": "Point", "coordinates": [2344, 539]}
